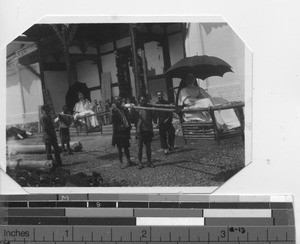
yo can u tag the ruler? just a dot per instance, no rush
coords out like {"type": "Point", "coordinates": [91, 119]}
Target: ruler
{"type": "Point", "coordinates": [146, 218]}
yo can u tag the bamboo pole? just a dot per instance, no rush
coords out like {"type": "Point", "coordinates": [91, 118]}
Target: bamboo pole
{"type": "Point", "coordinates": [215, 108]}
{"type": "Point", "coordinates": [154, 109]}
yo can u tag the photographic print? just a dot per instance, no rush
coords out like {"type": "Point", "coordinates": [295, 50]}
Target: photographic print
{"type": "Point", "coordinates": [125, 104]}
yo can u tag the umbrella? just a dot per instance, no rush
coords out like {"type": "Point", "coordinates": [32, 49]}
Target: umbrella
{"type": "Point", "coordinates": [201, 67]}
{"type": "Point", "coordinates": [72, 96]}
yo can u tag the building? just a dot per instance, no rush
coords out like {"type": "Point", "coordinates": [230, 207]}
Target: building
{"type": "Point", "coordinates": [113, 59]}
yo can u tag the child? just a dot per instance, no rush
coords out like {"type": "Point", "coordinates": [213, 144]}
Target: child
{"type": "Point", "coordinates": [65, 120]}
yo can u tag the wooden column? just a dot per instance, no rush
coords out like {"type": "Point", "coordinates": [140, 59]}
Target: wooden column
{"type": "Point", "coordinates": [21, 90]}
{"type": "Point", "coordinates": [41, 63]}
{"type": "Point", "coordinates": [67, 55]}
{"type": "Point", "coordinates": [167, 65]}
{"type": "Point", "coordinates": [99, 65]}
{"type": "Point", "coordinates": [135, 61]}
{"type": "Point", "coordinates": [66, 35]}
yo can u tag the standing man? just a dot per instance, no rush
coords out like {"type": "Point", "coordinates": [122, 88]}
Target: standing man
{"type": "Point", "coordinates": [49, 135]}
{"type": "Point", "coordinates": [121, 130]}
{"type": "Point", "coordinates": [166, 128]}
{"type": "Point", "coordinates": [144, 131]}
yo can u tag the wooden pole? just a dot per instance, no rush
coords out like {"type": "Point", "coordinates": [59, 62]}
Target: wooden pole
{"type": "Point", "coordinates": [135, 61]}
{"type": "Point", "coordinates": [29, 149]}
{"type": "Point", "coordinates": [154, 109]}
{"type": "Point", "coordinates": [67, 55]}
{"type": "Point", "coordinates": [43, 165]}
{"type": "Point", "coordinates": [167, 65]}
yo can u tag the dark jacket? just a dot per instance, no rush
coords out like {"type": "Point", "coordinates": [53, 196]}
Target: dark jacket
{"type": "Point", "coordinates": [161, 117]}
{"type": "Point", "coordinates": [49, 134]}
{"type": "Point", "coordinates": [118, 122]}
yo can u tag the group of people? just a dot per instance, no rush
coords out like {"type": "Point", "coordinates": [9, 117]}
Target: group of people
{"type": "Point", "coordinates": [125, 114]}
{"type": "Point", "coordinates": [105, 118]}
{"type": "Point", "coordinates": [64, 119]}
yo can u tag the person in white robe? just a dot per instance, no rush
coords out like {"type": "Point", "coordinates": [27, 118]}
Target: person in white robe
{"type": "Point", "coordinates": [82, 108]}
{"type": "Point", "coordinates": [194, 97]}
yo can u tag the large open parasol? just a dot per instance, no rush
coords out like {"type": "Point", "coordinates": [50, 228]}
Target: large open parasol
{"type": "Point", "coordinates": [201, 67]}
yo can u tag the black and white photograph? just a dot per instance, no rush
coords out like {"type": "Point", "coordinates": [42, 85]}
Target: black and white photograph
{"type": "Point", "coordinates": [148, 104]}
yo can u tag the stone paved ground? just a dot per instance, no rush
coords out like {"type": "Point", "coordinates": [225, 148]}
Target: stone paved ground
{"type": "Point", "coordinates": [201, 163]}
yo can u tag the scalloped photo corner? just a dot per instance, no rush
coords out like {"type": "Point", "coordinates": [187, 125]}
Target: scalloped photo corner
{"type": "Point", "coordinates": [145, 104]}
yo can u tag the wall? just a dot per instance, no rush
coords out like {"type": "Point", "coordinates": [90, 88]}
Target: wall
{"type": "Point", "coordinates": [23, 95]}
{"type": "Point", "coordinates": [218, 39]}
{"type": "Point", "coordinates": [88, 73]}
{"type": "Point", "coordinates": [57, 84]}
{"type": "Point", "coordinates": [109, 65]}
{"type": "Point", "coordinates": [154, 58]}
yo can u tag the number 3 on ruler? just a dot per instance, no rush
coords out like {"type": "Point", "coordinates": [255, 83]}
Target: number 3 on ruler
{"type": "Point", "coordinates": [223, 234]}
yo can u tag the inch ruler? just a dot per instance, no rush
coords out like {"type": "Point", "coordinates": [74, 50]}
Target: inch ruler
{"type": "Point", "coordinates": [141, 218]}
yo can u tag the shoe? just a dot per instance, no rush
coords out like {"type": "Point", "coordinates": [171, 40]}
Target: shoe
{"type": "Point", "coordinates": [167, 151]}
{"type": "Point", "coordinates": [150, 165]}
{"type": "Point", "coordinates": [130, 163]}
{"type": "Point", "coordinates": [171, 149]}
{"type": "Point", "coordinates": [140, 166]}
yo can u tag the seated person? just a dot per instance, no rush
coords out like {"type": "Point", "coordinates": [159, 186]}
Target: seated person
{"type": "Point", "coordinates": [196, 97]}
{"type": "Point", "coordinates": [82, 108]}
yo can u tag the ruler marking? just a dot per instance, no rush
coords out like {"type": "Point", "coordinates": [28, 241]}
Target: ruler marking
{"type": "Point", "coordinates": [43, 238]}
{"type": "Point", "coordinates": [267, 234]}
{"type": "Point", "coordinates": [286, 236]}
{"type": "Point", "coordinates": [169, 236]}
{"type": "Point", "coordinates": [72, 233]}
{"type": "Point", "coordinates": [189, 234]}
{"type": "Point", "coordinates": [92, 236]}
{"type": "Point", "coordinates": [33, 234]}
{"type": "Point", "coordinates": [150, 233]}
{"type": "Point", "coordinates": [130, 235]}
{"type": "Point", "coordinates": [111, 234]}
{"type": "Point", "coordinates": [53, 235]}
{"type": "Point", "coordinates": [81, 237]}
